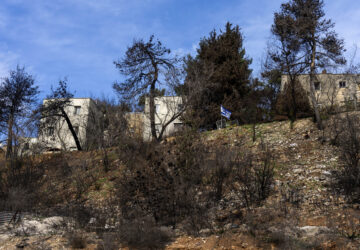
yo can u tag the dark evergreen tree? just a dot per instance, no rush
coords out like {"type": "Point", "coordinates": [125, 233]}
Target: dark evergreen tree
{"type": "Point", "coordinates": [218, 75]}
{"type": "Point", "coordinates": [17, 94]}
{"type": "Point", "coordinates": [272, 85]}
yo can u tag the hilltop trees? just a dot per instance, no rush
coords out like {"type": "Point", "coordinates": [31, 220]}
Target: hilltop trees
{"type": "Point", "coordinates": [145, 65]}
{"type": "Point", "coordinates": [303, 42]}
{"type": "Point", "coordinates": [218, 74]}
{"type": "Point", "coordinates": [17, 94]}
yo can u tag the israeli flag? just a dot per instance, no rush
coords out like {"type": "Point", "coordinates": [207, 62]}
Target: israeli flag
{"type": "Point", "coordinates": [224, 112]}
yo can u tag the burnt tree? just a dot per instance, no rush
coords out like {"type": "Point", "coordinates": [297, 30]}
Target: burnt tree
{"type": "Point", "coordinates": [145, 64]}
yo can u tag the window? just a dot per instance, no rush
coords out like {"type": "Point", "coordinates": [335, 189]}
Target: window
{"type": "Point", "coordinates": [179, 107]}
{"type": "Point", "coordinates": [158, 128]}
{"type": "Point", "coordinates": [157, 108]}
{"type": "Point", "coordinates": [342, 84]}
{"type": "Point", "coordinates": [50, 131]}
{"type": "Point", "coordinates": [76, 129]}
{"type": "Point", "coordinates": [26, 146]}
{"type": "Point", "coordinates": [77, 110]}
{"type": "Point", "coordinates": [317, 85]}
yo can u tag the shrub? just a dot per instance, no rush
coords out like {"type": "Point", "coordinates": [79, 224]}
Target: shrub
{"type": "Point", "coordinates": [163, 181]}
{"type": "Point", "coordinates": [20, 182]}
{"type": "Point", "coordinates": [253, 178]}
{"type": "Point", "coordinates": [180, 182]}
{"type": "Point", "coordinates": [108, 242]}
{"type": "Point", "coordinates": [142, 233]}
{"type": "Point", "coordinates": [349, 144]}
{"type": "Point", "coordinates": [76, 240]}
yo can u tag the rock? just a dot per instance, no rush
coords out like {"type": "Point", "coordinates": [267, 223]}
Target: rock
{"type": "Point", "coordinates": [166, 230]}
{"type": "Point", "coordinates": [311, 231]}
{"type": "Point", "coordinates": [320, 166]}
{"type": "Point", "coordinates": [286, 230]}
{"type": "Point", "coordinates": [54, 221]}
{"type": "Point", "coordinates": [244, 245]}
{"type": "Point", "coordinates": [326, 173]}
{"type": "Point", "coordinates": [178, 232]}
{"type": "Point", "coordinates": [230, 226]}
{"type": "Point", "coordinates": [306, 135]}
{"type": "Point", "coordinates": [297, 170]}
{"type": "Point", "coordinates": [92, 220]}
{"type": "Point", "coordinates": [244, 228]}
{"type": "Point", "coordinates": [22, 244]}
{"type": "Point", "coordinates": [236, 212]}
{"type": "Point", "coordinates": [205, 232]}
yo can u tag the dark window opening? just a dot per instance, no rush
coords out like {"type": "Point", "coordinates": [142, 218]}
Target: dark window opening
{"type": "Point", "coordinates": [342, 84]}
{"type": "Point", "coordinates": [77, 110]}
{"type": "Point", "coordinates": [317, 85]}
{"type": "Point", "coordinates": [76, 129]}
{"type": "Point", "coordinates": [50, 131]}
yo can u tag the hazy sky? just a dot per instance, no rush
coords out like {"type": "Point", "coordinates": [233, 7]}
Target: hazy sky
{"type": "Point", "coordinates": [80, 39]}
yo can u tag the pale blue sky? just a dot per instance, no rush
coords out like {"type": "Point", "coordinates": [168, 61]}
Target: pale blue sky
{"type": "Point", "coordinates": [80, 39]}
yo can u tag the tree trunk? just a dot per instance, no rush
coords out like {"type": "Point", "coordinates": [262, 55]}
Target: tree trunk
{"type": "Point", "coordinates": [9, 147]}
{"type": "Point", "coordinates": [152, 106]}
{"type": "Point", "coordinates": [312, 88]}
{"type": "Point", "coordinates": [254, 131]}
{"type": "Point", "coordinates": [71, 128]}
{"type": "Point", "coordinates": [293, 110]}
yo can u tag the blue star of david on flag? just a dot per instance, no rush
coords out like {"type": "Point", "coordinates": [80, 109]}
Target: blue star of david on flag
{"type": "Point", "coordinates": [224, 112]}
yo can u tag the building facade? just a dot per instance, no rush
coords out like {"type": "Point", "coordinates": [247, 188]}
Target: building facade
{"type": "Point", "coordinates": [57, 136]}
{"type": "Point", "coordinates": [330, 89]}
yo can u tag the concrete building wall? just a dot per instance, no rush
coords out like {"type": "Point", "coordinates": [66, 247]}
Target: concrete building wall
{"type": "Point", "coordinates": [166, 107]}
{"type": "Point", "coordinates": [330, 89]}
{"type": "Point", "coordinates": [58, 136]}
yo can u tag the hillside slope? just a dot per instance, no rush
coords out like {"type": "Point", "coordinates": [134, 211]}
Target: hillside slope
{"type": "Point", "coordinates": [304, 210]}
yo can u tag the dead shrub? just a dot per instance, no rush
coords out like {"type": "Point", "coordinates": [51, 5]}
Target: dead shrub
{"type": "Point", "coordinates": [142, 233]}
{"type": "Point", "coordinates": [76, 240]}
{"type": "Point", "coordinates": [179, 183]}
{"type": "Point", "coordinates": [349, 144]}
{"type": "Point", "coordinates": [108, 242]}
{"type": "Point", "coordinates": [21, 179]}
{"type": "Point", "coordinates": [219, 170]}
{"type": "Point", "coordinates": [164, 182]}
{"type": "Point", "coordinates": [253, 176]}
{"type": "Point", "coordinates": [290, 196]}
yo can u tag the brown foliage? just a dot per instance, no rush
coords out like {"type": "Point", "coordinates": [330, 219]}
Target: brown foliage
{"type": "Point", "coordinates": [348, 140]}
{"type": "Point", "coordinates": [296, 103]}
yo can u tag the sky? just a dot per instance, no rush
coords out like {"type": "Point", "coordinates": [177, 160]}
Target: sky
{"type": "Point", "coordinates": [80, 39]}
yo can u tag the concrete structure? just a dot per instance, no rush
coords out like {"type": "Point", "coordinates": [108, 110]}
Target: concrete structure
{"type": "Point", "coordinates": [57, 136]}
{"type": "Point", "coordinates": [166, 108]}
{"type": "Point", "coordinates": [83, 113]}
{"type": "Point", "coordinates": [330, 89]}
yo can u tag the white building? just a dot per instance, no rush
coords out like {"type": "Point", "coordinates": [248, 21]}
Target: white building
{"type": "Point", "coordinates": [83, 113]}
{"type": "Point", "coordinates": [167, 114]}
{"type": "Point", "coordinates": [57, 136]}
